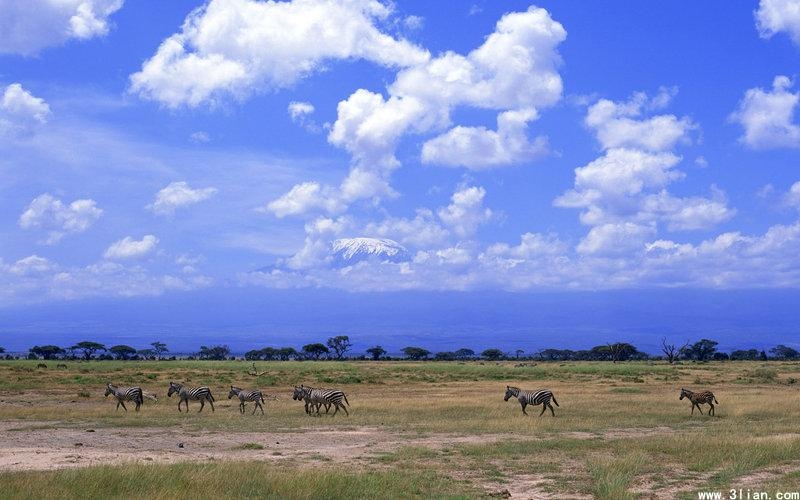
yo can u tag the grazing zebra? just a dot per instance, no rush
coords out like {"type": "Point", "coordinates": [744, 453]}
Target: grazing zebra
{"type": "Point", "coordinates": [61, 365]}
{"type": "Point", "coordinates": [243, 395]}
{"type": "Point", "coordinates": [698, 398]}
{"type": "Point", "coordinates": [540, 397]}
{"type": "Point", "coordinates": [319, 397]}
{"type": "Point", "coordinates": [201, 394]}
{"type": "Point", "coordinates": [126, 394]}
{"type": "Point", "coordinates": [41, 365]}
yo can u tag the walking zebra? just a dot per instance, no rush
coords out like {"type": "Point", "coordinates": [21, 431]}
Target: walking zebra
{"type": "Point", "coordinates": [243, 395]}
{"type": "Point", "coordinates": [201, 394]}
{"type": "Point", "coordinates": [319, 397]}
{"type": "Point", "coordinates": [698, 398]}
{"type": "Point", "coordinates": [125, 394]}
{"type": "Point", "coordinates": [540, 397]}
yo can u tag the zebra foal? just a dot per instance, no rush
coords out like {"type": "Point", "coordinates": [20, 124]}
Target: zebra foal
{"type": "Point", "coordinates": [201, 394]}
{"type": "Point", "coordinates": [125, 394]}
{"type": "Point", "coordinates": [525, 398]}
{"type": "Point", "coordinates": [243, 395]}
{"type": "Point", "coordinates": [698, 398]}
{"type": "Point", "coordinates": [319, 397]}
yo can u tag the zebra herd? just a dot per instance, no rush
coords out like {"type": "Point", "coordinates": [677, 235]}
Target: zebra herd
{"type": "Point", "coordinates": [312, 397]}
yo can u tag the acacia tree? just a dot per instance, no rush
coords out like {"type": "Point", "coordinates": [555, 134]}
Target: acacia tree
{"type": "Point", "coordinates": [315, 350]}
{"type": "Point", "coordinates": [376, 352]}
{"type": "Point", "coordinates": [122, 352]}
{"type": "Point", "coordinates": [416, 353]}
{"type": "Point", "coordinates": [88, 348]}
{"type": "Point", "coordinates": [160, 348]}
{"type": "Point", "coordinates": [465, 353]}
{"type": "Point", "coordinates": [218, 352]}
{"type": "Point", "coordinates": [783, 352]}
{"type": "Point", "coordinates": [339, 345]}
{"type": "Point", "coordinates": [701, 350]}
{"type": "Point", "coordinates": [46, 351]}
{"type": "Point", "coordinates": [493, 354]}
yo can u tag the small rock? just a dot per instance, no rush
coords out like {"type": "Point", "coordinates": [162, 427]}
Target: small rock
{"type": "Point", "coordinates": [180, 445]}
{"type": "Point", "coordinates": [90, 430]}
{"type": "Point", "coordinates": [78, 444]}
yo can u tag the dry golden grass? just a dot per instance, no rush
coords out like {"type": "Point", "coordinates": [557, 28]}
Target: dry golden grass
{"type": "Point", "coordinates": [620, 430]}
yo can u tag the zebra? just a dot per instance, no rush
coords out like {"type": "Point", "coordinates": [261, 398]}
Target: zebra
{"type": "Point", "coordinates": [201, 394]}
{"type": "Point", "coordinates": [243, 395]}
{"type": "Point", "coordinates": [540, 397]}
{"type": "Point", "coordinates": [125, 394]}
{"type": "Point", "coordinates": [321, 397]}
{"type": "Point", "coordinates": [61, 365]}
{"type": "Point", "coordinates": [41, 365]}
{"type": "Point", "coordinates": [698, 398]}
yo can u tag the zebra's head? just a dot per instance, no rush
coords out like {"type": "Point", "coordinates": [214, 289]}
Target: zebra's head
{"type": "Point", "coordinates": [173, 388]}
{"type": "Point", "coordinates": [684, 393]}
{"type": "Point", "coordinates": [109, 389]}
{"type": "Point", "coordinates": [510, 392]}
{"type": "Point", "coordinates": [234, 392]}
{"type": "Point", "coordinates": [300, 392]}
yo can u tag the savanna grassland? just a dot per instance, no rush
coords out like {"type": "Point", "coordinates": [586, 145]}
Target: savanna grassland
{"type": "Point", "coordinates": [416, 429]}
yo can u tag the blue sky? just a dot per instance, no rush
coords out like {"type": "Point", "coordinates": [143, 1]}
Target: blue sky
{"type": "Point", "coordinates": [153, 149]}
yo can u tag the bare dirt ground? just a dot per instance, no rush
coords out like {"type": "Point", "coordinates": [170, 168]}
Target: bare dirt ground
{"type": "Point", "coordinates": [47, 446]}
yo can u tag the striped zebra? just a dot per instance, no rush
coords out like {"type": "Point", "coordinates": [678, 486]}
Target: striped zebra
{"type": "Point", "coordinates": [201, 394]}
{"type": "Point", "coordinates": [698, 398]}
{"type": "Point", "coordinates": [319, 397]}
{"type": "Point", "coordinates": [125, 394]}
{"type": "Point", "coordinates": [243, 395]}
{"type": "Point", "coordinates": [540, 397]}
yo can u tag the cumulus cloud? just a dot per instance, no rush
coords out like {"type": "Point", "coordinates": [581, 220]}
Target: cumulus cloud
{"type": "Point", "coordinates": [477, 148]}
{"type": "Point", "coordinates": [775, 16]}
{"type": "Point", "coordinates": [466, 212]}
{"type": "Point", "coordinates": [26, 27]}
{"type": "Point", "coordinates": [21, 111]}
{"type": "Point", "coordinates": [514, 71]}
{"type": "Point", "coordinates": [623, 193]}
{"type": "Point", "coordinates": [303, 198]}
{"type": "Point", "coordinates": [768, 116]}
{"type": "Point", "coordinates": [50, 214]}
{"type": "Point", "coordinates": [33, 264]}
{"type": "Point", "coordinates": [621, 124]}
{"type": "Point", "coordinates": [176, 195]}
{"type": "Point", "coordinates": [128, 248]}
{"type": "Point", "coordinates": [237, 47]}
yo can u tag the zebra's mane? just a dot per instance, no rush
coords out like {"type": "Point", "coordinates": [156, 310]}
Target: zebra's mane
{"type": "Point", "coordinates": [513, 390]}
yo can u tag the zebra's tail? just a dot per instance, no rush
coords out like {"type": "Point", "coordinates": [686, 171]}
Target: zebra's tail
{"type": "Point", "coordinates": [715, 399]}
{"type": "Point", "coordinates": [554, 400]}
{"type": "Point", "coordinates": [345, 399]}
{"type": "Point", "coordinates": [211, 397]}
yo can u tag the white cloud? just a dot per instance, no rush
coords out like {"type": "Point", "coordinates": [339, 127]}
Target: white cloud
{"type": "Point", "coordinates": [514, 71]}
{"type": "Point", "coordinates": [424, 230]}
{"type": "Point", "coordinates": [304, 198]}
{"type": "Point", "coordinates": [200, 137]}
{"type": "Point", "coordinates": [50, 214]}
{"type": "Point", "coordinates": [299, 110]}
{"type": "Point", "coordinates": [237, 47]}
{"type": "Point", "coordinates": [775, 16]}
{"type": "Point", "coordinates": [466, 211]}
{"type": "Point", "coordinates": [768, 116]}
{"type": "Point", "coordinates": [176, 195]}
{"type": "Point", "coordinates": [621, 238]}
{"type": "Point", "coordinates": [127, 247]}
{"type": "Point", "coordinates": [792, 198]}
{"type": "Point", "coordinates": [28, 26]}
{"type": "Point", "coordinates": [620, 124]}
{"type": "Point", "coordinates": [32, 264]}
{"type": "Point", "coordinates": [21, 111]}
{"type": "Point", "coordinates": [477, 148]}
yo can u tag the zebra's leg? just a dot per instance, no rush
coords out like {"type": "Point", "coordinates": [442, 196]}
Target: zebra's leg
{"type": "Point", "coordinates": [335, 409]}
{"type": "Point", "coordinates": [544, 407]}
{"type": "Point", "coordinates": [524, 404]}
{"type": "Point", "coordinates": [120, 402]}
{"type": "Point", "coordinates": [211, 402]}
{"type": "Point", "coordinates": [179, 405]}
{"type": "Point", "coordinates": [692, 408]}
{"type": "Point", "coordinates": [551, 409]}
{"type": "Point", "coordinates": [699, 409]}
{"type": "Point", "coordinates": [258, 405]}
{"type": "Point", "coordinates": [345, 411]}
{"type": "Point", "coordinates": [202, 405]}
{"type": "Point", "coordinates": [711, 410]}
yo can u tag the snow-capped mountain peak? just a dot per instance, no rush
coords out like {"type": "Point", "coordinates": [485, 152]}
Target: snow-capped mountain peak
{"type": "Point", "coordinates": [349, 251]}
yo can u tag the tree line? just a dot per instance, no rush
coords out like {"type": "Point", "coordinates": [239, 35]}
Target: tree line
{"type": "Point", "coordinates": [339, 347]}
